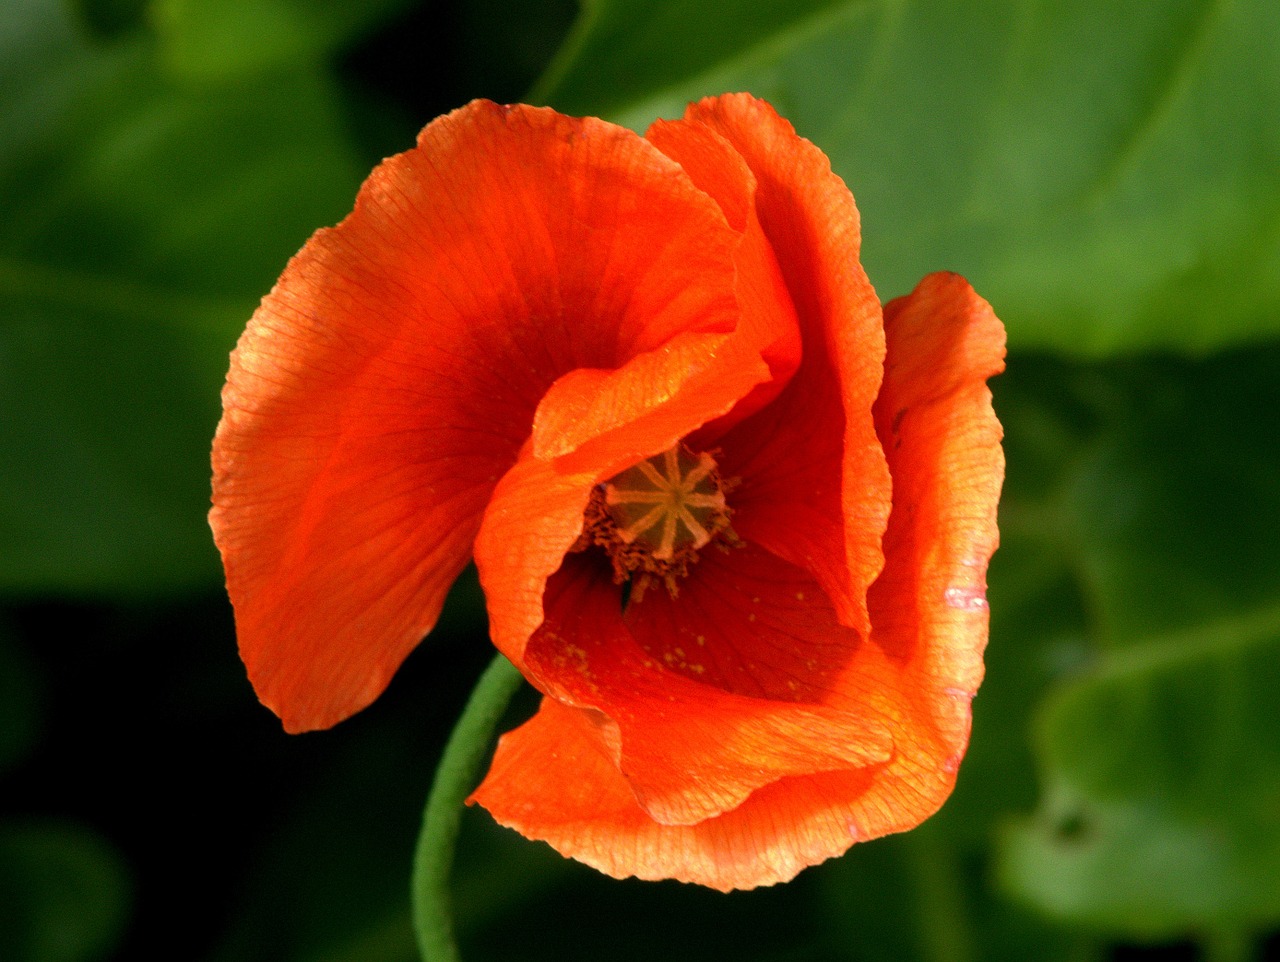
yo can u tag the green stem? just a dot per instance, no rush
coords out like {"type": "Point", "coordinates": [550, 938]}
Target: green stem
{"type": "Point", "coordinates": [455, 778]}
{"type": "Point", "coordinates": [946, 936]}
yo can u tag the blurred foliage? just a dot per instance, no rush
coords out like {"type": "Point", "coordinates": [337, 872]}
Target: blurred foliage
{"type": "Point", "coordinates": [65, 893]}
{"type": "Point", "coordinates": [211, 42]}
{"type": "Point", "coordinates": [153, 217]}
{"type": "Point", "coordinates": [1108, 175]}
{"type": "Point", "coordinates": [1158, 748]}
{"type": "Point", "coordinates": [1103, 172]}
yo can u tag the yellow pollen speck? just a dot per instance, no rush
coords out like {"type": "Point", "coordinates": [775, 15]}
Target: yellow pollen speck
{"type": "Point", "coordinates": [701, 639]}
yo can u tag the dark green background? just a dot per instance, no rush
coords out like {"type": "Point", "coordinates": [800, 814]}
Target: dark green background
{"type": "Point", "coordinates": [1106, 173]}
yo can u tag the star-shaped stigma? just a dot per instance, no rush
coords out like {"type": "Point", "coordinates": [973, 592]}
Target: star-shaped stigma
{"type": "Point", "coordinates": [654, 517]}
{"type": "Point", "coordinates": [669, 503]}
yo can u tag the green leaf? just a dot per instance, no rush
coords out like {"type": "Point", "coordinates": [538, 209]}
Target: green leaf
{"type": "Point", "coordinates": [145, 220]}
{"type": "Point", "coordinates": [1040, 623]}
{"type": "Point", "coordinates": [620, 54]}
{"type": "Point", "coordinates": [1158, 750]}
{"type": "Point", "coordinates": [214, 40]}
{"type": "Point", "coordinates": [1191, 720]}
{"type": "Point", "coordinates": [1135, 868]}
{"type": "Point", "coordinates": [1172, 510]}
{"type": "Point", "coordinates": [65, 893]}
{"type": "Point", "coordinates": [1037, 630]}
{"type": "Point", "coordinates": [1105, 175]}
{"type": "Point", "coordinates": [1164, 813]}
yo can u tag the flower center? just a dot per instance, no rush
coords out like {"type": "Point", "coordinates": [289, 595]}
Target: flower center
{"type": "Point", "coordinates": [653, 518]}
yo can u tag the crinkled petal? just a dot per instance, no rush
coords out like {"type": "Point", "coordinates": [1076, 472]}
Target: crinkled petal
{"type": "Point", "coordinates": [392, 376]}
{"type": "Point", "coordinates": [552, 779]}
{"type": "Point", "coordinates": [814, 475]}
{"type": "Point", "coordinates": [929, 608]}
{"type": "Point", "coordinates": [593, 423]}
{"type": "Point", "coordinates": [768, 314]}
{"type": "Point", "coordinates": [694, 731]}
{"type": "Point", "coordinates": [536, 512]}
{"type": "Point", "coordinates": [562, 777]}
{"type": "Point", "coordinates": [745, 621]}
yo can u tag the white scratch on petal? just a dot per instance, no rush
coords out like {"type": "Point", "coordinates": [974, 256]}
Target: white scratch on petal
{"type": "Point", "coordinates": [966, 599]}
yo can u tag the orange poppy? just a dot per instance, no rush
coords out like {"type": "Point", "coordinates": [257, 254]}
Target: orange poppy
{"type": "Point", "coordinates": [730, 517]}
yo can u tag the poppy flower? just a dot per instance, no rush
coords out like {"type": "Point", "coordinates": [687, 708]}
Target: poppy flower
{"type": "Point", "coordinates": [731, 518]}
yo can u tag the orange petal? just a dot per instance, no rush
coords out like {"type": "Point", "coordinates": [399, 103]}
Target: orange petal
{"type": "Point", "coordinates": [768, 318]}
{"type": "Point", "coordinates": [747, 622]}
{"type": "Point", "coordinates": [929, 609]}
{"type": "Point", "coordinates": [392, 376]}
{"type": "Point", "coordinates": [536, 512]}
{"type": "Point", "coordinates": [563, 776]}
{"type": "Point", "coordinates": [593, 423]}
{"type": "Point", "coordinates": [675, 304]}
{"type": "Point", "coordinates": [553, 780]}
{"type": "Point", "coordinates": [692, 735]}
{"type": "Point", "coordinates": [822, 421]}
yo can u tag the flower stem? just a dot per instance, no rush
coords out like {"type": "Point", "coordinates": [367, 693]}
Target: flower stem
{"type": "Point", "coordinates": [947, 935]}
{"type": "Point", "coordinates": [455, 778]}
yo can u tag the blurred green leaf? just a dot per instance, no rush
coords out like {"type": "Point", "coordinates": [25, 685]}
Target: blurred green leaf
{"type": "Point", "coordinates": [1172, 505]}
{"type": "Point", "coordinates": [64, 892]}
{"type": "Point", "coordinates": [1097, 171]}
{"type": "Point", "coordinates": [146, 220]}
{"type": "Point", "coordinates": [1158, 747]}
{"type": "Point", "coordinates": [1190, 720]}
{"type": "Point", "coordinates": [214, 40]}
{"type": "Point", "coordinates": [1136, 868]}
{"type": "Point", "coordinates": [929, 894]}
{"type": "Point", "coordinates": [1040, 624]}
{"type": "Point", "coordinates": [1164, 817]}
{"type": "Point", "coordinates": [622, 53]}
